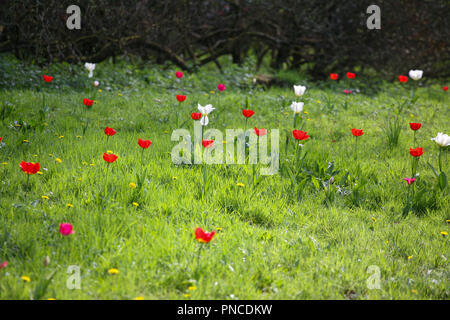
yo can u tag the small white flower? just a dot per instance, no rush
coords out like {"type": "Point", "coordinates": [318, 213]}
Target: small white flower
{"type": "Point", "coordinates": [299, 90]}
{"type": "Point", "coordinates": [442, 139]}
{"type": "Point", "coordinates": [90, 67]}
{"type": "Point", "coordinates": [297, 107]}
{"type": "Point", "coordinates": [415, 74]}
{"type": "Point", "coordinates": [205, 111]}
{"type": "Point", "coordinates": [96, 83]}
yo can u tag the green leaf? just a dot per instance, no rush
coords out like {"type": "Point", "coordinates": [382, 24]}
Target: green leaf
{"type": "Point", "coordinates": [442, 181]}
{"type": "Point", "coordinates": [434, 170]}
{"type": "Point", "coordinates": [315, 183]}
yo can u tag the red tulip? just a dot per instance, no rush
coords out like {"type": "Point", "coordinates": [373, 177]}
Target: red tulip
{"type": "Point", "coordinates": [88, 102]}
{"type": "Point", "coordinates": [179, 74]}
{"type": "Point", "coordinates": [203, 236]}
{"type": "Point", "coordinates": [48, 78]}
{"type": "Point", "coordinates": [351, 75]}
{"type": "Point", "coordinates": [1, 138]}
{"type": "Point", "coordinates": [4, 264]}
{"type": "Point", "coordinates": [417, 152]}
{"type": "Point", "coordinates": [403, 78]}
{"type": "Point", "coordinates": [110, 158]}
{"type": "Point", "coordinates": [221, 87]}
{"type": "Point", "coordinates": [181, 98]}
{"type": "Point", "coordinates": [66, 229]}
{"type": "Point", "coordinates": [30, 167]}
{"type": "Point", "coordinates": [110, 131]}
{"type": "Point", "coordinates": [207, 143]}
{"type": "Point", "coordinates": [357, 132]}
{"type": "Point", "coordinates": [347, 91]}
{"type": "Point", "coordinates": [196, 115]}
{"type": "Point", "coordinates": [300, 135]}
{"type": "Point", "coordinates": [445, 88]}
{"type": "Point", "coordinates": [334, 76]}
{"type": "Point", "coordinates": [144, 143]}
{"type": "Point", "coordinates": [415, 126]}
{"type": "Point", "coordinates": [260, 132]}
{"type": "Point", "coordinates": [248, 113]}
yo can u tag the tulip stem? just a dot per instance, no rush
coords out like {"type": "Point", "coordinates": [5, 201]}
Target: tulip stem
{"type": "Point", "coordinates": [199, 252]}
{"type": "Point", "coordinates": [106, 183]}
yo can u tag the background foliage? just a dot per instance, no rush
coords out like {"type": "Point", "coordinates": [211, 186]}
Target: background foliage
{"type": "Point", "coordinates": [315, 36]}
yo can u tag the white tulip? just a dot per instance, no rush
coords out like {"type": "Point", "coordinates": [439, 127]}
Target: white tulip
{"type": "Point", "coordinates": [299, 90]}
{"type": "Point", "coordinates": [442, 139]}
{"type": "Point", "coordinates": [297, 107]}
{"type": "Point", "coordinates": [90, 67]}
{"type": "Point", "coordinates": [415, 74]}
{"type": "Point", "coordinates": [205, 111]}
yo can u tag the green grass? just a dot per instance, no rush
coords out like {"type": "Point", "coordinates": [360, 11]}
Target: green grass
{"type": "Point", "coordinates": [273, 243]}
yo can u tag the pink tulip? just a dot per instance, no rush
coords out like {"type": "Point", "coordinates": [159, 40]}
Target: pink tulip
{"type": "Point", "coordinates": [221, 87]}
{"type": "Point", "coordinates": [66, 229]}
{"type": "Point", "coordinates": [4, 264]}
{"type": "Point", "coordinates": [410, 180]}
{"type": "Point", "coordinates": [179, 74]}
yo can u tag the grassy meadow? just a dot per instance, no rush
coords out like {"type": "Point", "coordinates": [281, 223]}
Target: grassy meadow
{"type": "Point", "coordinates": [326, 226]}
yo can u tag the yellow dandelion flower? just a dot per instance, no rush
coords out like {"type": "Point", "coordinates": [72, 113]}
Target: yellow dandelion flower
{"type": "Point", "coordinates": [139, 298]}
{"type": "Point", "coordinates": [206, 94]}
{"type": "Point", "coordinates": [192, 288]}
{"type": "Point", "coordinates": [69, 205]}
{"type": "Point", "coordinates": [219, 229]}
{"type": "Point", "coordinates": [58, 160]}
{"type": "Point", "coordinates": [4, 163]}
{"type": "Point", "coordinates": [187, 295]}
{"type": "Point", "coordinates": [51, 299]}
{"type": "Point", "coordinates": [410, 257]}
{"type": "Point", "coordinates": [212, 92]}
{"type": "Point", "coordinates": [308, 119]}
{"type": "Point", "coordinates": [100, 90]}
{"type": "Point", "coordinates": [132, 185]}
{"type": "Point", "coordinates": [26, 141]}
{"type": "Point", "coordinates": [109, 151]}
{"type": "Point", "coordinates": [411, 115]}
{"type": "Point", "coordinates": [113, 271]}
{"type": "Point", "coordinates": [25, 278]}
{"type": "Point", "coordinates": [240, 184]}
{"type": "Point", "coordinates": [448, 221]}
{"type": "Point", "coordinates": [45, 197]}
{"type": "Point", "coordinates": [174, 178]}
{"type": "Point", "coordinates": [444, 233]}
{"type": "Point", "coordinates": [373, 219]}
{"type": "Point", "coordinates": [305, 112]}
{"type": "Point", "coordinates": [135, 204]}
{"type": "Point", "coordinates": [61, 137]}
{"type": "Point", "coordinates": [92, 164]}
{"type": "Point", "coordinates": [40, 172]}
